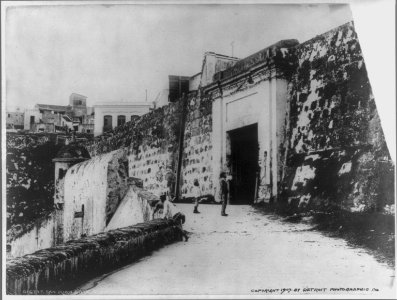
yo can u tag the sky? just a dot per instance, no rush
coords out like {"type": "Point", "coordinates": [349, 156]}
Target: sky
{"type": "Point", "coordinates": [116, 52]}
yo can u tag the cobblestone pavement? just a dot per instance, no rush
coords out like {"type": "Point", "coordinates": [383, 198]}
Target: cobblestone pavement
{"type": "Point", "coordinates": [248, 253]}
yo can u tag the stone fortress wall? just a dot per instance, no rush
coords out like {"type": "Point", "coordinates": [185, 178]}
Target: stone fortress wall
{"type": "Point", "coordinates": [330, 145]}
{"type": "Point", "coordinates": [337, 154]}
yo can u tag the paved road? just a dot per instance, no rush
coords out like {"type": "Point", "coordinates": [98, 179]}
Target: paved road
{"type": "Point", "coordinates": [245, 252]}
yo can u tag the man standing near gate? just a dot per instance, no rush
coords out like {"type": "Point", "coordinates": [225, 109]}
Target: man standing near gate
{"type": "Point", "coordinates": [224, 192]}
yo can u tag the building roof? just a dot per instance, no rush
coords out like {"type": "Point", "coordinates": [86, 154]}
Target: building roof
{"type": "Point", "coordinates": [199, 73]}
{"type": "Point", "coordinates": [72, 152]}
{"type": "Point", "coordinates": [121, 104]}
{"type": "Point", "coordinates": [66, 118]}
{"type": "Point", "coordinates": [221, 55]}
{"type": "Point", "coordinates": [53, 107]}
{"type": "Point", "coordinates": [78, 95]}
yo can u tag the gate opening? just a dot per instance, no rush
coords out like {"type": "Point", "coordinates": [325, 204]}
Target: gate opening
{"type": "Point", "coordinates": [244, 150]}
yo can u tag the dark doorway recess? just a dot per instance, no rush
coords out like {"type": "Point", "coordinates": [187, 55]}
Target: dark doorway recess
{"type": "Point", "coordinates": [244, 164]}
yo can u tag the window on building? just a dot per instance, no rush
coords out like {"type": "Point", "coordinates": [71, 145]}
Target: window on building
{"type": "Point", "coordinates": [107, 123]}
{"type": "Point", "coordinates": [61, 173]}
{"type": "Point", "coordinates": [78, 102]}
{"type": "Point", "coordinates": [134, 117]}
{"type": "Point", "coordinates": [120, 120]}
{"type": "Point", "coordinates": [31, 119]}
{"type": "Point", "coordinates": [178, 85]}
{"type": "Point", "coordinates": [9, 115]}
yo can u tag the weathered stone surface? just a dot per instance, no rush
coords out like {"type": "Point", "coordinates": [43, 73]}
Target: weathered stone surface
{"type": "Point", "coordinates": [48, 270]}
{"type": "Point", "coordinates": [152, 142]}
{"type": "Point", "coordinates": [197, 152]}
{"type": "Point", "coordinates": [337, 155]}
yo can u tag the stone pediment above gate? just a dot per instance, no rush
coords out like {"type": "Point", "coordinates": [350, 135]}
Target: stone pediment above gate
{"type": "Point", "coordinates": [280, 56]}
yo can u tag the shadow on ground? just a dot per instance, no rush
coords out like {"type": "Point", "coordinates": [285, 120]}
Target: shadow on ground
{"type": "Point", "coordinates": [374, 232]}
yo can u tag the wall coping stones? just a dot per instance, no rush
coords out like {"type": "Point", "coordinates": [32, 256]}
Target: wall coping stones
{"type": "Point", "coordinates": [48, 270]}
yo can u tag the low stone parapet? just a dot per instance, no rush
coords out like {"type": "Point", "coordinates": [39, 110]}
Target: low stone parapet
{"type": "Point", "coordinates": [64, 267]}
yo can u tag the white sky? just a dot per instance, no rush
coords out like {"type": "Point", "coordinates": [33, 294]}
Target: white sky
{"type": "Point", "coordinates": [113, 53]}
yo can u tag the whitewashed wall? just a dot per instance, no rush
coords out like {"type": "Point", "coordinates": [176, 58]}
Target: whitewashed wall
{"type": "Point", "coordinates": [86, 184]}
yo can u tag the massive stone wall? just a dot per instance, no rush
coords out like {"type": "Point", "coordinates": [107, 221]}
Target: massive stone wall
{"type": "Point", "coordinates": [331, 154]}
{"type": "Point", "coordinates": [197, 150]}
{"type": "Point", "coordinates": [337, 155]}
{"type": "Point", "coordinates": [152, 141]}
{"type": "Point", "coordinates": [155, 149]}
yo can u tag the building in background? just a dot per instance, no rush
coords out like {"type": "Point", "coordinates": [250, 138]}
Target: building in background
{"type": "Point", "coordinates": [213, 63]}
{"type": "Point", "coordinates": [51, 118]}
{"type": "Point", "coordinates": [78, 103]}
{"type": "Point", "coordinates": [179, 85]}
{"type": "Point", "coordinates": [60, 118]}
{"type": "Point", "coordinates": [15, 120]}
{"type": "Point", "coordinates": [109, 115]}
{"type": "Point", "coordinates": [87, 124]}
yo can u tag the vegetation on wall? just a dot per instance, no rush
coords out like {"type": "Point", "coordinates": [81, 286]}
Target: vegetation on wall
{"type": "Point", "coordinates": [29, 177]}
